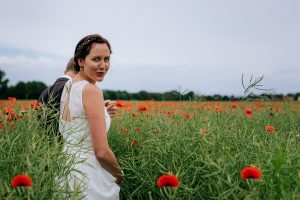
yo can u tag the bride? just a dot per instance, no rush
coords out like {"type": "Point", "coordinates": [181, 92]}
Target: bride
{"type": "Point", "coordinates": [84, 123]}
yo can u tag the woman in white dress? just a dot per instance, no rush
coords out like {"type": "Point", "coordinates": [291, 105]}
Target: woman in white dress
{"type": "Point", "coordinates": [84, 122]}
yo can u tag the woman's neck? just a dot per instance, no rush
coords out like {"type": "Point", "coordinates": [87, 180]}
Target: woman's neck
{"type": "Point", "coordinates": [82, 76]}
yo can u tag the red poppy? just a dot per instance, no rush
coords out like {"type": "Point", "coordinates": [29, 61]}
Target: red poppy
{"type": "Point", "coordinates": [21, 180]}
{"type": "Point", "coordinates": [120, 103]}
{"type": "Point", "coordinates": [218, 108]}
{"type": "Point", "coordinates": [12, 99]}
{"type": "Point", "coordinates": [248, 112]}
{"type": "Point", "coordinates": [134, 115]}
{"type": "Point", "coordinates": [133, 143]}
{"type": "Point", "coordinates": [171, 113]}
{"type": "Point", "coordinates": [168, 180]}
{"type": "Point", "coordinates": [251, 172]}
{"type": "Point", "coordinates": [35, 105]}
{"type": "Point", "coordinates": [24, 108]}
{"type": "Point", "coordinates": [8, 110]}
{"type": "Point", "coordinates": [270, 128]}
{"type": "Point", "coordinates": [187, 116]}
{"type": "Point", "coordinates": [142, 108]}
{"type": "Point", "coordinates": [137, 129]}
{"type": "Point", "coordinates": [234, 105]}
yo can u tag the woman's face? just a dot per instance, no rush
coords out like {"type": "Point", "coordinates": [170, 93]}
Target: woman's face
{"type": "Point", "coordinates": [96, 63]}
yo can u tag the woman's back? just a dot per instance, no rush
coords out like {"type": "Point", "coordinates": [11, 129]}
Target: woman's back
{"type": "Point", "coordinates": [95, 180]}
{"type": "Point", "coordinates": [73, 120]}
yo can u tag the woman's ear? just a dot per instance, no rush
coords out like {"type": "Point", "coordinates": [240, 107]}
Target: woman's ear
{"type": "Point", "coordinates": [80, 62]}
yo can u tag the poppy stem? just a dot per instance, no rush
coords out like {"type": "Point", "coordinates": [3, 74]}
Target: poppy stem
{"type": "Point", "coordinates": [28, 195]}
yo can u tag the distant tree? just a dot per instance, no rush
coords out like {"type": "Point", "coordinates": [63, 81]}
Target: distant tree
{"type": "Point", "coordinates": [29, 90]}
{"type": "Point", "coordinates": [296, 97]}
{"type": "Point", "coordinates": [189, 96]}
{"type": "Point", "coordinates": [266, 96]}
{"type": "Point", "coordinates": [209, 98]}
{"type": "Point", "coordinates": [109, 94]}
{"type": "Point", "coordinates": [217, 97]}
{"type": "Point", "coordinates": [34, 89]}
{"type": "Point", "coordinates": [19, 90]}
{"type": "Point", "coordinates": [171, 96]}
{"type": "Point", "coordinates": [277, 97]}
{"type": "Point", "coordinates": [144, 95]}
{"type": "Point", "coordinates": [225, 98]}
{"type": "Point", "coordinates": [157, 96]}
{"type": "Point", "coordinates": [3, 85]}
{"type": "Point", "coordinates": [123, 95]}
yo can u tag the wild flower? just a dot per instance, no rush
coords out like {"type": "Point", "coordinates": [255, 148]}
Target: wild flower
{"type": "Point", "coordinates": [218, 108]}
{"type": "Point", "coordinates": [248, 112]}
{"type": "Point", "coordinates": [120, 103]}
{"type": "Point", "coordinates": [21, 180]}
{"type": "Point", "coordinates": [137, 129]}
{"type": "Point", "coordinates": [8, 110]}
{"type": "Point", "coordinates": [251, 172]}
{"type": "Point", "coordinates": [12, 99]}
{"type": "Point", "coordinates": [270, 128]}
{"type": "Point", "coordinates": [168, 180]}
{"type": "Point", "coordinates": [35, 105]}
{"type": "Point", "coordinates": [187, 116]}
{"type": "Point", "coordinates": [171, 113]}
{"type": "Point", "coordinates": [24, 108]}
{"type": "Point", "coordinates": [142, 108]}
{"type": "Point", "coordinates": [234, 105]}
{"type": "Point", "coordinates": [133, 143]}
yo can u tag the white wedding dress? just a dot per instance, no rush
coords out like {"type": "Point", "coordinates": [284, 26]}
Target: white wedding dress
{"type": "Point", "coordinates": [88, 174]}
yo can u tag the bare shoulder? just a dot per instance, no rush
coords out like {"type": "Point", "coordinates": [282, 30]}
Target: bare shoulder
{"type": "Point", "coordinates": [92, 96]}
{"type": "Point", "coordinates": [90, 89]}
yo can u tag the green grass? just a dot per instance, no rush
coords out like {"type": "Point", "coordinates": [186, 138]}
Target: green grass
{"type": "Point", "coordinates": [208, 166]}
{"type": "Point", "coordinates": [26, 148]}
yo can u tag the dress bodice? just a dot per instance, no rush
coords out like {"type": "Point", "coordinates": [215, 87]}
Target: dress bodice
{"type": "Point", "coordinates": [76, 130]}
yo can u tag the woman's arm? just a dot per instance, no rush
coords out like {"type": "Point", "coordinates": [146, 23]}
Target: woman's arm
{"type": "Point", "coordinates": [94, 106]}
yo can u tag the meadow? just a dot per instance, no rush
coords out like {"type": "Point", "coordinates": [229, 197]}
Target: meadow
{"type": "Point", "coordinates": [206, 148]}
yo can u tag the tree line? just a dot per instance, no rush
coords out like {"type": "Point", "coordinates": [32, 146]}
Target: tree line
{"type": "Point", "coordinates": [22, 90]}
{"type": "Point", "coordinates": [33, 89]}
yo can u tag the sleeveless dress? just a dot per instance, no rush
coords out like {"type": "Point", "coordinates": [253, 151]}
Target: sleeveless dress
{"type": "Point", "coordinates": [88, 174]}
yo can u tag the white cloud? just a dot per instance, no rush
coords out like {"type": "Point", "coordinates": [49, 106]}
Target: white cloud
{"type": "Point", "coordinates": [24, 68]}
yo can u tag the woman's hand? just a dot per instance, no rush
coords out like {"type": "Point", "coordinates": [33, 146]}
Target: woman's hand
{"type": "Point", "coordinates": [111, 108]}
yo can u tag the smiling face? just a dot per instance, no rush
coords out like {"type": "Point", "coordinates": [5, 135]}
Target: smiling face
{"type": "Point", "coordinates": [95, 65]}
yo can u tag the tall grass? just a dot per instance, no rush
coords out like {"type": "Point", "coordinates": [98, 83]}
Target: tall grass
{"type": "Point", "coordinates": [206, 145]}
{"type": "Point", "coordinates": [29, 147]}
{"type": "Point", "coordinates": [209, 165]}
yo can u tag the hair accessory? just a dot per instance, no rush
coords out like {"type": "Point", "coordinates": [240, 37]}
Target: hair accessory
{"type": "Point", "coordinates": [84, 43]}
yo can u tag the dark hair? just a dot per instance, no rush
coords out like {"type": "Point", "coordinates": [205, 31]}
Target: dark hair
{"type": "Point", "coordinates": [84, 46]}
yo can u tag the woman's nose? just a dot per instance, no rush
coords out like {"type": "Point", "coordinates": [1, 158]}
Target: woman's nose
{"type": "Point", "coordinates": [101, 63]}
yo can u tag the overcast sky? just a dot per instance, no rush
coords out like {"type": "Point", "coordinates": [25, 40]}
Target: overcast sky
{"type": "Point", "coordinates": [158, 45]}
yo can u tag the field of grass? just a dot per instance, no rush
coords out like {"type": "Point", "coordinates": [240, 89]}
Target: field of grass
{"type": "Point", "coordinates": [205, 145]}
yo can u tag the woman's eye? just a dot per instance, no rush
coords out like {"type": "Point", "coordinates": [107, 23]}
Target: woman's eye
{"type": "Point", "coordinates": [96, 59]}
{"type": "Point", "coordinates": [106, 59]}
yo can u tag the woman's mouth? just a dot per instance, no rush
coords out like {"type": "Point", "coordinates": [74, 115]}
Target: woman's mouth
{"type": "Point", "coordinates": [100, 73]}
